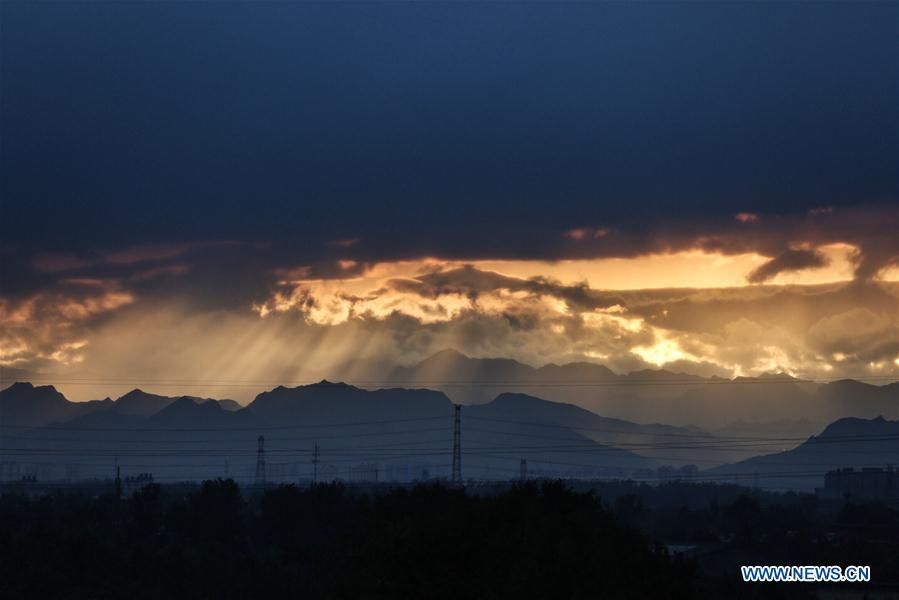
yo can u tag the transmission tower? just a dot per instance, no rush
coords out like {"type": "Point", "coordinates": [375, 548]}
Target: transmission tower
{"type": "Point", "coordinates": [118, 479]}
{"type": "Point", "coordinates": [315, 464]}
{"type": "Point", "coordinates": [457, 445]}
{"type": "Point", "coordinates": [260, 461]}
{"type": "Point", "coordinates": [523, 470]}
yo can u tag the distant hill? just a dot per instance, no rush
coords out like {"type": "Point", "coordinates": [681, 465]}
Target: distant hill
{"type": "Point", "coordinates": [187, 412]}
{"type": "Point", "coordinates": [448, 367]}
{"type": "Point", "coordinates": [140, 403]}
{"type": "Point", "coordinates": [11, 375]}
{"type": "Point", "coordinates": [847, 442]}
{"type": "Point", "coordinates": [418, 423]}
{"type": "Point", "coordinates": [23, 404]}
{"type": "Point", "coordinates": [848, 397]}
{"type": "Point", "coordinates": [784, 428]}
{"type": "Point", "coordinates": [651, 395]}
{"type": "Point", "coordinates": [228, 404]}
{"type": "Point", "coordinates": [403, 433]}
{"type": "Point", "coordinates": [663, 443]}
{"type": "Point", "coordinates": [388, 434]}
{"type": "Point", "coordinates": [341, 402]}
{"type": "Point", "coordinates": [646, 396]}
{"type": "Point", "coordinates": [478, 380]}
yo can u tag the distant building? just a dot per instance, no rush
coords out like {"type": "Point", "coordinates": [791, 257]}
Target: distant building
{"type": "Point", "coordinates": [401, 472]}
{"type": "Point", "coordinates": [136, 483]}
{"type": "Point", "coordinates": [328, 473]}
{"type": "Point", "coordinates": [10, 471]}
{"type": "Point", "coordinates": [669, 473]}
{"type": "Point", "coordinates": [367, 472]}
{"type": "Point", "coordinates": [865, 484]}
{"type": "Point", "coordinates": [276, 472]}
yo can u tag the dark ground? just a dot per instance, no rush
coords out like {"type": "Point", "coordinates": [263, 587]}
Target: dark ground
{"type": "Point", "coordinates": [529, 541]}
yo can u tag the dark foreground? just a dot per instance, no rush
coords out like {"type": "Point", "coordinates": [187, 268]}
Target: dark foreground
{"type": "Point", "coordinates": [530, 541]}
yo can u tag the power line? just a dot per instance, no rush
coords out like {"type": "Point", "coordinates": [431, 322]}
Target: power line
{"type": "Point", "coordinates": [586, 443]}
{"type": "Point", "coordinates": [585, 448]}
{"type": "Point", "coordinates": [212, 429]}
{"type": "Point", "coordinates": [394, 452]}
{"type": "Point", "coordinates": [260, 462]}
{"type": "Point", "coordinates": [695, 381]}
{"type": "Point", "coordinates": [457, 444]}
{"type": "Point", "coordinates": [220, 440]}
{"type": "Point", "coordinates": [577, 428]}
{"type": "Point", "coordinates": [315, 464]}
{"type": "Point", "coordinates": [699, 441]}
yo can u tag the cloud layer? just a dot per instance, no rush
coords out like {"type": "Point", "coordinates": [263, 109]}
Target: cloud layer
{"type": "Point", "coordinates": [683, 297]}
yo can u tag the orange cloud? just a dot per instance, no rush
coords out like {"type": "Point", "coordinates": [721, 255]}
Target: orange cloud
{"type": "Point", "coordinates": [583, 233]}
{"type": "Point", "coordinates": [54, 325]}
{"type": "Point", "coordinates": [146, 252]}
{"type": "Point", "coordinates": [52, 262]}
{"type": "Point", "coordinates": [344, 243]}
{"type": "Point", "coordinates": [794, 259]}
{"type": "Point", "coordinates": [86, 307]}
{"type": "Point", "coordinates": [747, 217]}
{"type": "Point", "coordinates": [822, 210]}
{"type": "Point", "coordinates": [160, 271]}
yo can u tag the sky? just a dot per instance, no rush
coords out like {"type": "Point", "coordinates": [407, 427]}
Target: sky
{"type": "Point", "coordinates": [219, 192]}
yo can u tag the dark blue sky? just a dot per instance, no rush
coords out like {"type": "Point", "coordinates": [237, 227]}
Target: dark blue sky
{"type": "Point", "coordinates": [176, 179]}
{"type": "Point", "coordinates": [435, 128]}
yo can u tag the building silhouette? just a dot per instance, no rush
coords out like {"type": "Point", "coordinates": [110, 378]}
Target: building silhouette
{"type": "Point", "coordinates": [870, 483]}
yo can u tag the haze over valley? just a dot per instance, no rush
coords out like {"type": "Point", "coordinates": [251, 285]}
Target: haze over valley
{"type": "Point", "coordinates": [568, 421]}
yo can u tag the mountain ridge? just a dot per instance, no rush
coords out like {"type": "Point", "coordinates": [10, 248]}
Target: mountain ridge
{"type": "Point", "coordinates": [847, 442]}
{"type": "Point", "coordinates": [402, 431]}
{"type": "Point", "coordinates": [650, 395]}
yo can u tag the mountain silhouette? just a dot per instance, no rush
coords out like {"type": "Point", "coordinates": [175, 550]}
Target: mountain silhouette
{"type": "Point", "coordinates": [343, 402]}
{"type": "Point", "coordinates": [404, 433]}
{"type": "Point", "coordinates": [418, 423]}
{"type": "Point", "coordinates": [227, 404]}
{"type": "Point", "coordinates": [387, 434]}
{"type": "Point", "coordinates": [449, 367]}
{"type": "Point", "coordinates": [664, 443]}
{"type": "Point", "coordinates": [646, 396]}
{"type": "Point", "coordinates": [651, 395]}
{"type": "Point", "coordinates": [142, 404]}
{"type": "Point", "coordinates": [139, 403]}
{"type": "Point", "coordinates": [847, 442]}
{"type": "Point", "coordinates": [187, 412]}
{"type": "Point", "coordinates": [23, 404]}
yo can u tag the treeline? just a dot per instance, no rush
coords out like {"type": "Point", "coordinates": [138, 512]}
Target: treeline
{"type": "Point", "coordinates": [428, 542]}
{"type": "Point", "coordinates": [531, 541]}
{"type": "Point", "coordinates": [798, 529]}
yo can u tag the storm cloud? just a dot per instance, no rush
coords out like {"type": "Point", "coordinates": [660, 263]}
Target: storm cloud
{"type": "Point", "coordinates": [272, 190]}
{"type": "Point", "coordinates": [791, 260]}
